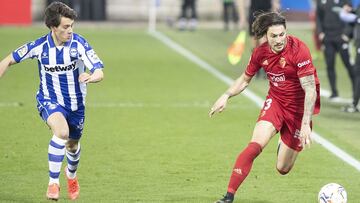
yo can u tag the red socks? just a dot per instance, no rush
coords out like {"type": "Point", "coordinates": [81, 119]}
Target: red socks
{"type": "Point", "coordinates": [243, 166]}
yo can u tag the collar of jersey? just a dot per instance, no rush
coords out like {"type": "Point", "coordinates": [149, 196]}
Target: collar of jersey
{"type": "Point", "coordinates": [52, 43]}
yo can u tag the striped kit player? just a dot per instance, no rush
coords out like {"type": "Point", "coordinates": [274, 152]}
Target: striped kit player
{"type": "Point", "coordinates": [63, 57]}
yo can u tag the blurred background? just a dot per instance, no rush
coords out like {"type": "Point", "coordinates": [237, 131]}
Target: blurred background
{"type": "Point", "coordinates": [24, 12]}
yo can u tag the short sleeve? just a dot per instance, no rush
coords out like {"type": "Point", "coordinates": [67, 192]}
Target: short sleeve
{"type": "Point", "coordinates": [253, 65]}
{"type": "Point", "coordinates": [303, 61]}
{"type": "Point", "coordinates": [89, 56]}
{"type": "Point", "coordinates": [24, 52]}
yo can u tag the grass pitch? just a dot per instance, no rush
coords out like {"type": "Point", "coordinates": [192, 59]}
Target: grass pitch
{"type": "Point", "coordinates": [147, 135]}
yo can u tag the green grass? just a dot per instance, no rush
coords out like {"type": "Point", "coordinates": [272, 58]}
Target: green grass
{"type": "Point", "coordinates": [147, 135]}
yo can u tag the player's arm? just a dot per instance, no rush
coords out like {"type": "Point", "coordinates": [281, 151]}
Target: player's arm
{"type": "Point", "coordinates": [309, 86]}
{"type": "Point", "coordinates": [96, 76]}
{"type": "Point", "coordinates": [6, 63]}
{"type": "Point", "coordinates": [239, 85]}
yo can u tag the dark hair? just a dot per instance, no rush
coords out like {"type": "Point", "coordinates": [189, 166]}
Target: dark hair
{"type": "Point", "coordinates": [264, 20]}
{"type": "Point", "coordinates": [55, 11]}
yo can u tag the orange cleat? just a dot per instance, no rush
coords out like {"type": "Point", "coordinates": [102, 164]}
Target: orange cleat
{"type": "Point", "coordinates": [73, 187]}
{"type": "Point", "coordinates": [53, 191]}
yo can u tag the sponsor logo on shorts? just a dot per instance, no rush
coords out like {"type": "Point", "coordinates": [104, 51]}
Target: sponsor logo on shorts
{"type": "Point", "coordinates": [297, 136]}
{"type": "Point", "coordinates": [50, 105]}
{"type": "Point", "coordinates": [80, 126]}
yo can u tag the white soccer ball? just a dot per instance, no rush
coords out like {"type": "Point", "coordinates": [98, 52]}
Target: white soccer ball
{"type": "Point", "coordinates": [332, 193]}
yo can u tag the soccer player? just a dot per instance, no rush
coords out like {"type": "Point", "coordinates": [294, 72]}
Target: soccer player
{"type": "Point", "coordinates": [292, 99]}
{"type": "Point", "coordinates": [350, 17]}
{"type": "Point", "coordinates": [62, 57]}
{"type": "Point", "coordinates": [256, 7]}
{"type": "Point", "coordinates": [230, 12]}
{"type": "Point", "coordinates": [183, 20]}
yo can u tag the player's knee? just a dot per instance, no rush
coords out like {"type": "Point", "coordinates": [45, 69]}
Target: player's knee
{"type": "Point", "coordinates": [72, 146]}
{"type": "Point", "coordinates": [63, 134]}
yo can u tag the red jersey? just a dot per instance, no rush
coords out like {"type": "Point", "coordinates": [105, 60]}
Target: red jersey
{"type": "Point", "coordinates": [283, 71]}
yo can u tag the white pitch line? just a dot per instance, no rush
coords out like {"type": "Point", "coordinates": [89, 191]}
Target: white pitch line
{"type": "Point", "coordinates": [10, 104]}
{"type": "Point", "coordinates": [248, 93]}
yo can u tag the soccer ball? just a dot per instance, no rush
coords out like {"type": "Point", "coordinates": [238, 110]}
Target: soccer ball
{"type": "Point", "coordinates": [332, 193]}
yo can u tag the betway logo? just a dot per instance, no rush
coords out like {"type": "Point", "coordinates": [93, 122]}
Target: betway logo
{"type": "Point", "coordinates": [304, 63]}
{"type": "Point", "coordinates": [60, 68]}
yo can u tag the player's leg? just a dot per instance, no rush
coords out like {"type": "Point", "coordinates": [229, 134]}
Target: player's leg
{"type": "Point", "coordinates": [269, 122]}
{"type": "Point", "coordinates": [352, 108]}
{"type": "Point", "coordinates": [73, 157]}
{"type": "Point", "coordinates": [345, 57]}
{"type": "Point", "coordinates": [56, 150]}
{"type": "Point", "coordinates": [290, 143]}
{"type": "Point", "coordinates": [226, 15]}
{"type": "Point", "coordinates": [73, 149]}
{"type": "Point", "coordinates": [183, 16]}
{"type": "Point", "coordinates": [262, 134]}
{"type": "Point", "coordinates": [235, 14]}
{"type": "Point", "coordinates": [286, 158]}
{"type": "Point", "coordinates": [193, 19]}
{"type": "Point", "coordinates": [330, 53]}
{"type": "Point", "coordinates": [357, 80]}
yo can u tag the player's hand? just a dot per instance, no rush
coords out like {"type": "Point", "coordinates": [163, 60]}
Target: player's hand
{"type": "Point", "coordinates": [347, 8]}
{"type": "Point", "coordinates": [305, 135]}
{"type": "Point", "coordinates": [219, 105]}
{"type": "Point", "coordinates": [84, 78]}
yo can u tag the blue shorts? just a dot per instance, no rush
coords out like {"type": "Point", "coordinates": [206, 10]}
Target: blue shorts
{"type": "Point", "coordinates": [75, 119]}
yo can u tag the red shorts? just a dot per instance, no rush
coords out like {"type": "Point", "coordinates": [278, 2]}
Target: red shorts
{"type": "Point", "coordinates": [286, 122]}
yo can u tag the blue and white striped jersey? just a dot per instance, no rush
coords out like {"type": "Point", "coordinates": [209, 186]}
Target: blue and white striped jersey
{"type": "Point", "coordinates": [60, 67]}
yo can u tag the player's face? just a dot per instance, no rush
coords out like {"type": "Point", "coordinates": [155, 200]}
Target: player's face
{"type": "Point", "coordinates": [64, 31]}
{"type": "Point", "coordinates": [276, 37]}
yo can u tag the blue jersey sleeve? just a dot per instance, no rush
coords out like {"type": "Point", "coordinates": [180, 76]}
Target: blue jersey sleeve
{"type": "Point", "coordinates": [27, 50]}
{"type": "Point", "coordinates": [22, 52]}
{"type": "Point", "coordinates": [88, 55]}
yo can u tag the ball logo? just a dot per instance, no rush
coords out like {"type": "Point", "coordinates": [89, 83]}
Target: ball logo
{"type": "Point", "coordinates": [304, 63]}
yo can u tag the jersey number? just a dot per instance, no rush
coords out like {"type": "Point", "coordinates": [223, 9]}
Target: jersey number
{"type": "Point", "coordinates": [267, 104]}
